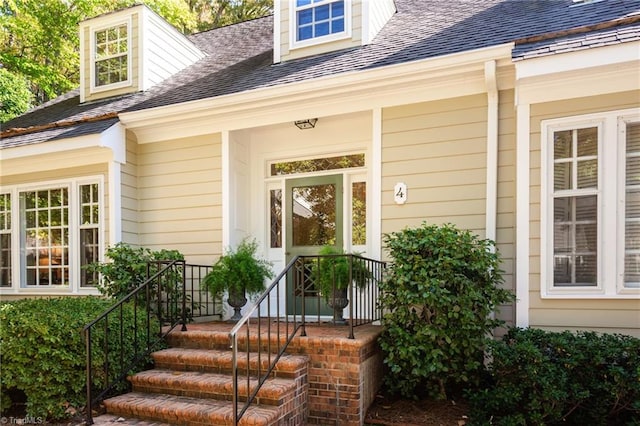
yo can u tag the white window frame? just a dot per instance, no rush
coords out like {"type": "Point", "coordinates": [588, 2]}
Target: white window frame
{"type": "Point", "coordinates": [92, 49]}
{"type": "Point", "coordinates": [293, 27]}
{"type": "Point", "coordinates": [18, 272]}
{"type": "Point", "coordinates": [611, 192]}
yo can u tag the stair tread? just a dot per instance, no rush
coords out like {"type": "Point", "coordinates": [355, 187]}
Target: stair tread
{"type": "Point", "coordinates": [219, 357]}
{"type": "Point", "coordinates": [208, 382]}
{"type": "Point", "coordinates": [182, 410]}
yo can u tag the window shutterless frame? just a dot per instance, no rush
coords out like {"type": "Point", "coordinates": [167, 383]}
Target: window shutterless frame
{"type": "Point", "coordinates": [93, 34]}
{"type": "Point", "coordinates": [308, 8]}
{"type": "Point", "coordinates": [610, 192]}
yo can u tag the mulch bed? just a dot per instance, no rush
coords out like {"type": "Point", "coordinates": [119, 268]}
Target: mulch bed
{"type": "Point", "coordinates": [425, 412]}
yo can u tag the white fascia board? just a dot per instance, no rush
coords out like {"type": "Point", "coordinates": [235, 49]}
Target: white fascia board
{"type": "Point", "coordinates": [578, 60]}
{"type": "Point", "coordinates": [112, 138]}
{"type": "Point", "coordinates": [357, 90]}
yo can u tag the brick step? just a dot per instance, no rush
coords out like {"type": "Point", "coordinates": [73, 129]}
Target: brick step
{"type": "Point", "coordinates": [187, 411]}
{"type": "Point", "coordinates": [210, 385]}
{"type": "Point", "coordinates": [220, 361]}
{"type": "Point", "coordinates": [195, 338]}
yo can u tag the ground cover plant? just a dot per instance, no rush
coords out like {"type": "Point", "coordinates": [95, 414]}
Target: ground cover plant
{"type": "Point", "coordinates": [537, 377]}
{"type": "Point", "coordinates": [43, 351]}
{"type": "Point", "coordinates": [443, 284]}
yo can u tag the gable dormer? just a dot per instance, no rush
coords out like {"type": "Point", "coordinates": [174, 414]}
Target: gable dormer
{"type": "Point", "coordinates": [311, 27]}
{"type": "Point", "coordinates": [128, 51]}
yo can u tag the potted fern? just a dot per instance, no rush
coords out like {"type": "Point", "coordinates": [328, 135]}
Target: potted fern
{"type": "Point", "coordinates": [239, 273]}
{"type": "Point", "coordinates": [331, 275]}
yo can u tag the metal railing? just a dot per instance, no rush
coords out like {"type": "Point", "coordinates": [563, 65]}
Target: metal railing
{"type": "Point", "coordinates": [271, 323]}
{"type": "Point", "coordinates": [122, 338]}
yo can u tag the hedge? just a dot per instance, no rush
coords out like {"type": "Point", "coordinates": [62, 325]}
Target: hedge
{"type": "Point", "coordinates": [537, 377]}
{"type": "Point", "coordinates": [43, 351]}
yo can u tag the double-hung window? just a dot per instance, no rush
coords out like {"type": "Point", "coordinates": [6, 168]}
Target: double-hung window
{"type": "Point", "coordinates": [56, 229]}
{"type": "Point", "coordinates": [317, 20]}
{"type": "Point", "coordinates": [111, 56]}
{"type": "Point", "coordinates": [591, 206]}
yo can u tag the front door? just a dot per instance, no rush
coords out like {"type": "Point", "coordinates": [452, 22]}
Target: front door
{"type": "Point", "coordinates": [314, 219]}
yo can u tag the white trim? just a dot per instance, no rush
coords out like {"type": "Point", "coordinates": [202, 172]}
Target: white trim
{"type": "Point", "coordinates": [314, 41]}
{"type": "Point", "coordinates": [523, 112]}
{"type": "Point", "coordinates": [610, 205]}
{"type": "Point", "coordinates": [128, 21]}
{"type": "Point", "coordinates": [83, 63]}
{"type": "Point", "coordinates": [115, 203]}
{"type": "Point", "coordinates": [578, 60]}
{"type": "Point", "coordinates": [112, 138]}
{"type": "Point", "coordinates": [436, 78]}
{"type": "Point", "coordinates": [277, 28]}
{"type": "Point", "coordinates": [375, 188]}
{"type": "Point", "coordinates": [492, 151]}
{"type": "Point", "coordinates": [226, 190]}
{"type": "Point", "coordinates": [365, 14]}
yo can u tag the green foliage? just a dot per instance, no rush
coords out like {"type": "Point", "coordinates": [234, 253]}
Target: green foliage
{"type": "Point", "coordinates": [238, 271]}
{"type": "Point", "coordinates": [218, 13]}
{"type": "Point", "coordinates": [43, 350]}
{"type": "Point", "coordinates": [442, 286]}
{"type": "Point", "coordinates": [335, 268]}
{"type": "Point", "coordinates": [15, 97]}
{"type": "Point", "coordinates": [545, 378]}
{"type": "Point", "coordinates": [127, 268]}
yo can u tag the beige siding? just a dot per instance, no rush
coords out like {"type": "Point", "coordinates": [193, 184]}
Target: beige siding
{"type": "Point", "coordinates": [179, 197]}
{"type": "Point", "coordinates": [439, 150]}
{"type": "Point", "coordinates": [612, 315]}
{"type": "Point", "coordinates": [129, 195]}
{"type": "Point", "coordinates": [286, 53]}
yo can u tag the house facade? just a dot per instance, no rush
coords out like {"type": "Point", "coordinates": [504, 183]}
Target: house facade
{"type": "Point", "coordinates": [336, 122]}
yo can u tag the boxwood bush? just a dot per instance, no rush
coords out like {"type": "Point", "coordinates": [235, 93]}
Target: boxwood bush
{"type": "Point", "coordinates": [544, 378]}
{"type": "Point", "coordinates": [43, 350]}
{"type": "Point", "coordinates": [443, 284]}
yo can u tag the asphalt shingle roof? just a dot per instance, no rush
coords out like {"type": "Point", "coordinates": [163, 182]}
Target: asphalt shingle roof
{"type": "Point", "coordinates": [240, 56]}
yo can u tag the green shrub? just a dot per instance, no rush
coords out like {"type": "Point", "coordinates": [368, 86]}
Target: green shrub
{"type": "Point", "coordinates": [442, 286]}
{"type": "Point", "coordinates": [541, 378]}
{"type": "Point", "coordinates": [127, 268]}
{"type": "Point", "coordinates": [43, 350]}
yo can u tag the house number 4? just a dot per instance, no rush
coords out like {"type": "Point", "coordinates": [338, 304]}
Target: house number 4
{"type": "Point", "coordinates": [400, 193]}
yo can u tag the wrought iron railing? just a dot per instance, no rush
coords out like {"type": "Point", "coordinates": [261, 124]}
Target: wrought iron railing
{"type": "Point", "coordinates": [275, 318]}
{"type": "Point", "coordinates": [122, 338]}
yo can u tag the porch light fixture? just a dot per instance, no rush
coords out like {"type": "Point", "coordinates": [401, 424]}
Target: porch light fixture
{"type": "Point", "coordinates": [309, 123]}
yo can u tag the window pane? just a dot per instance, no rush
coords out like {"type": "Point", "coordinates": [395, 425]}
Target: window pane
{"type": "Point", "coordinates": [305, 16]}
{"type": "Point", "coordinates": [45, 237]}
{"type": "Point", "coordinates": [587, 142]}
{"type": "Point", "coordinates": [275, 202]}
{"type": "Point", "coordinates": [632, 205]}
{"type": "Point", "coordinates": [562, 178]}
{"type": "Point", "coordinates": [317, 164]}
{"type": "Point", "coordinates": [633, 138]}
{"type": "Point", "coordinates": [5, 260]}
{"type": "Point", "coordinates": [321, 29]}
{"type": "Point", "coordinates": [88, 254]}
{"type": "Point", "coordinates": [588, 174]}
{"type": "Point", "coordinates": [575, 241]}
{"type": "Point", "coordinates": [562, 143]}
{"type": "Point", "coordinates": [359, 213]}
{"type": "Point", "coordinates": [632, 208]}
{"type": "Point", "coordinates": [322, 12]}
{"type": "Point", "coordinates": [337, 9]}
{"type": "Point", "coordinates": [632, 270]}
{"type": "Point", "coordinates": [633, 170]}
{"type": "Point", "coordinates": [337, 26]}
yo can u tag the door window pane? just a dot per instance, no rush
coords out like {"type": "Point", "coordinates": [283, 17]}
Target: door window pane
{"type": "Point", "coordinates": [5, 240]}
{"type": "Point", "coordinates": [317, 165]}
{"type": "Point", "coordinates": [314, 215]}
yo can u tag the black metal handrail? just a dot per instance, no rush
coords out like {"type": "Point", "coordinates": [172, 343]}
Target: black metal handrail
{"type": "Point", "coordinates": [137, 324]}
{"type": "Point", "coordinates": [298, 280]}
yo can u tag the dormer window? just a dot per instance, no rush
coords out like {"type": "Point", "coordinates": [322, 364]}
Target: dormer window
{"type": "Point", "coordinates": [320, 20]}
{"type": "Point", "coordinates": [111, 56]}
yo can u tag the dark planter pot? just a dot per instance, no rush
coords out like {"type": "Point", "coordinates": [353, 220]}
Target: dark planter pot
{"type": "Point", "coordinates": [338, 301]}
{"type": "Point", "coordinates": [236, 300]}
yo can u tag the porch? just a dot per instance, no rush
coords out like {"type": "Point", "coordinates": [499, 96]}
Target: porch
{"type": "Point", "coordinates": [323, 378]}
